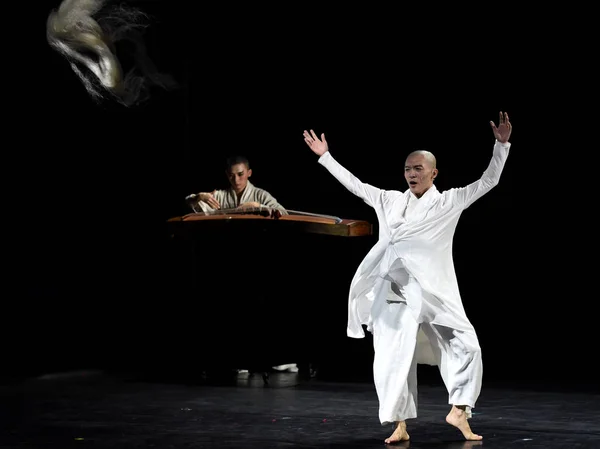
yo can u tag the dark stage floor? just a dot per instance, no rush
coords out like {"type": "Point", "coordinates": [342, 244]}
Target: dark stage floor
{"type": "Point", "coordinates": [96, 410]}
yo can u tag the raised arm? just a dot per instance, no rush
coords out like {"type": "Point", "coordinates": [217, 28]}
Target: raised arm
{"type": "Point", "coordinates": [504, 130]}
{"type": "Point", "coordinates": [491, 176]}
{"type": "Point", "coordinates": [366, 192]}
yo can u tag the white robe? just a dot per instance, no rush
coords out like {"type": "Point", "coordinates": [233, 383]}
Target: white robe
{"type": "Point", "coordinates": [415, 246]}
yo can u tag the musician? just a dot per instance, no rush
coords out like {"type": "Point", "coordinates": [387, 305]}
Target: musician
{"type": "Point", "coordinates": [241, 194]}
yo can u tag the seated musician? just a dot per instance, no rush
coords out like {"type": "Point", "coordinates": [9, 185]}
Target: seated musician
{"type": "Point", "coordinates": [241, 195]}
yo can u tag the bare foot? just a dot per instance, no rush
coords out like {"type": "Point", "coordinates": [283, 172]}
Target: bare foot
{"type": "Point", "coordinates": [458, 418]}
{"type": "Point", "coordinates": [400, 434]}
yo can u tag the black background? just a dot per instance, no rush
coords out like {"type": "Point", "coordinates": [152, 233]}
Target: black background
{"type": "Point", "coordinates": [89, 279]}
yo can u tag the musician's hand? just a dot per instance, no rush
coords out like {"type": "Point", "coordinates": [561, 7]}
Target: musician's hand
{"type": "Point", "coordinates": [249, 205]}
{"type": "Point", "coordinates": [319, 147]}
{"type": "Point", "coordinates": [209, 199]}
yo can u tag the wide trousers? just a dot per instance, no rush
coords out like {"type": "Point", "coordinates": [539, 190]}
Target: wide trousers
{"type": "Point", "coordinates": [395, 333]}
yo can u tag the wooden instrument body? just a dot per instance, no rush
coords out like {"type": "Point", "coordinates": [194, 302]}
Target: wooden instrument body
{"type": "Point", "coordinates": [266, 219]}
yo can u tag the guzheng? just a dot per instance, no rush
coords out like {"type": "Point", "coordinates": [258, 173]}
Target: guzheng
{"type": "Point", "coordinates": [265, 218]}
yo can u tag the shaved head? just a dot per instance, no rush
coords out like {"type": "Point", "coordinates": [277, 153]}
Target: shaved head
{"type": "Point", "coordinates": [429, 157]}
{"type": "Point", "coordinates": [420, 171]}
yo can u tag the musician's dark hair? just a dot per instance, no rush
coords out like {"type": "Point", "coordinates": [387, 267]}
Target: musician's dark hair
{"type": "Point", "coordinates": [85, 32]}
{"type": "Point", "coordinates": [237, 159]}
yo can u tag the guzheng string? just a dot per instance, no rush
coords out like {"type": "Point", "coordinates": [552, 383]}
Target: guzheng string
{"type": "Point", "coordinates": [265, 211]}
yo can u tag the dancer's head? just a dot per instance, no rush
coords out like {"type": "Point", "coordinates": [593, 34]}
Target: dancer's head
{"type": "Point", "coordinates": [420, 171]}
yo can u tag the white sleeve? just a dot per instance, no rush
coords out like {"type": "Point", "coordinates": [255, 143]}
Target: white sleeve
{"type": "Point", "coordinates": [366, 192]}
{"type": "Point", "coordinates": [268, 200]}
{"type": "Point", "coordinates": [205, 207]}
{"type": "Point", "coordinates": [490, 178]}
